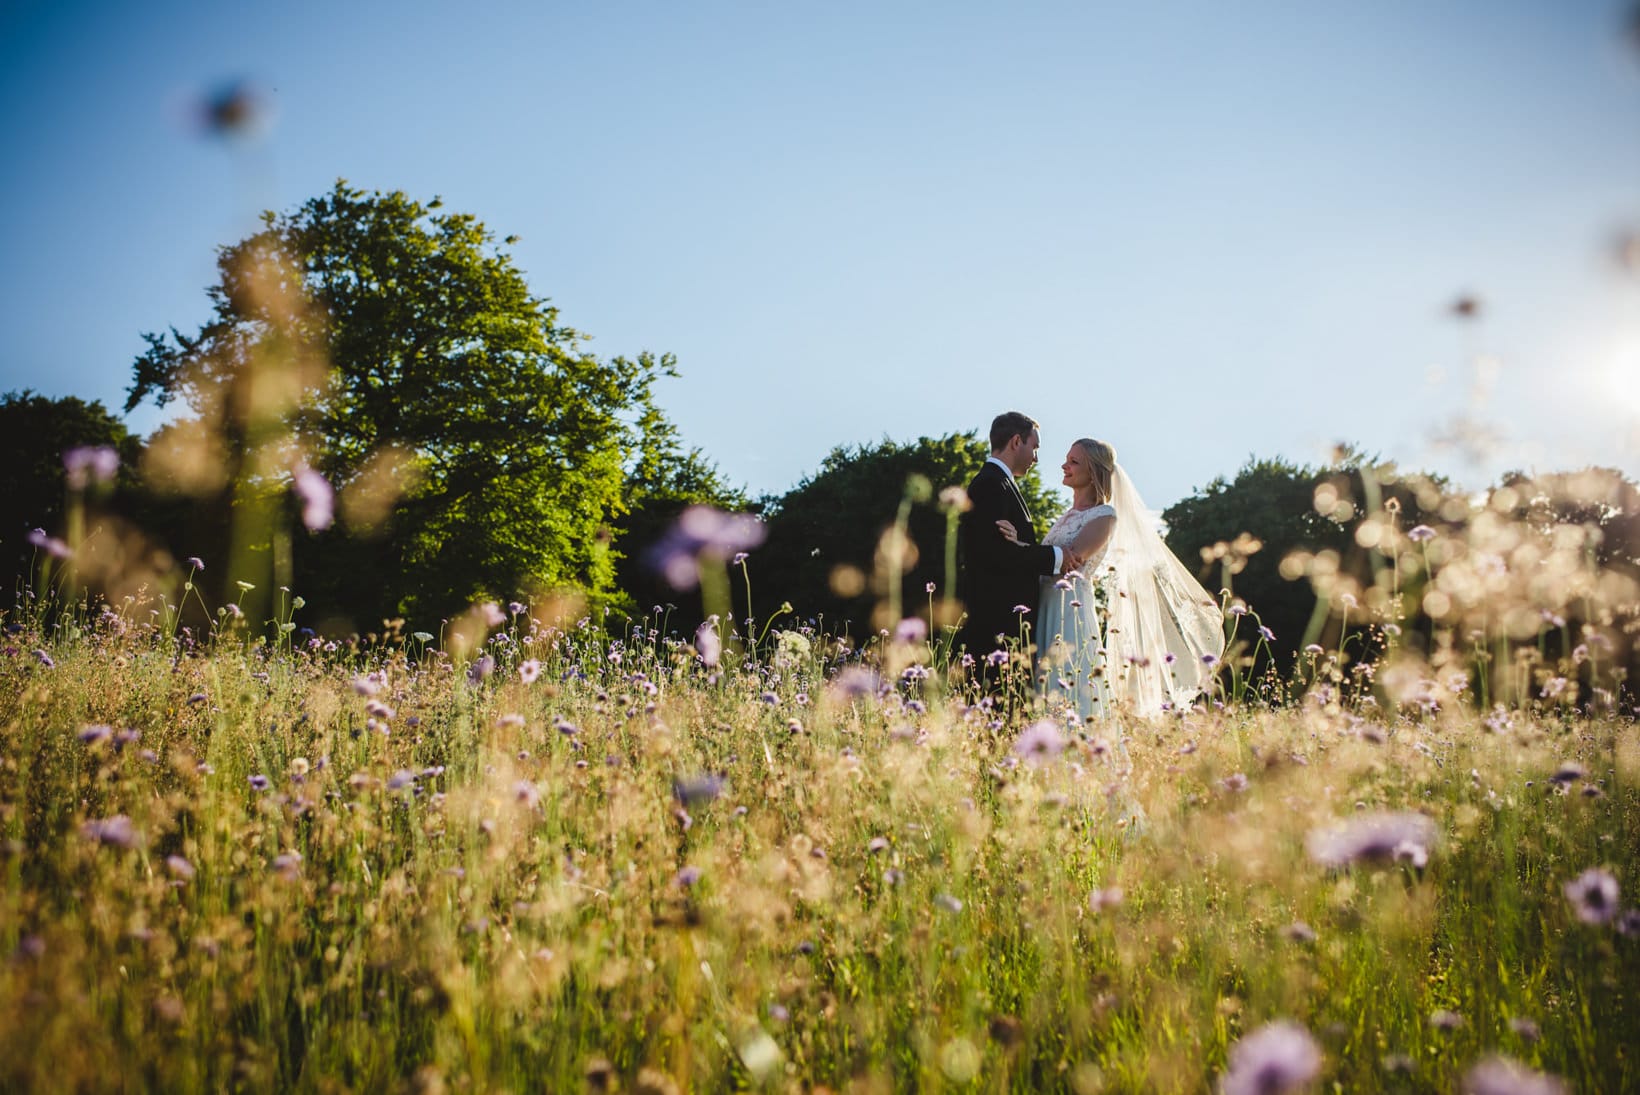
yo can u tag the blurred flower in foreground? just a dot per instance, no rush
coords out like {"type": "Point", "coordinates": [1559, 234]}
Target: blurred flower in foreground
{"type": "Point", "coordinates": [317, 498]}
{"type": "Point", "coordinates": [702, 531]}
{"type": "Point", "coordinates": [112, 832]}
{"type": "Point", "coordinates": [1504, 1076]}
{"type": "Point", "coordinates": [49, 544]}
{"type": "Point", "coordinates": [1039, 742]}
{"type": "Point", "coordinates": [1277, 1057]}
{"type": "Point", "coordinates": [234, 108]}
{"type": "Point", "coordinates": [1593, 895]}
{"type": "Point", "coordinates": [90, 464]}
{"type": "Point", "coordinates": [707, 641]}
{"type": "Point", "coordinates": [1404, 836]}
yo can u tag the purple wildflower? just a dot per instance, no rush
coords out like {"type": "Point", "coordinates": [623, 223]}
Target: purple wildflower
{"type": "Point", "coordinates": [1266, 634]}
{"type": "Point", "coordinates": [259, 783]}
{"type": "Point", "coordinates": [401, 779]}
{"type": "Point", "coordinates": [949, 903]}
{"type": "Point", "coordinates": [1593, 895]}
{"type": "Point", "coordinates": [318, 499]}
{"type": "Point", "coordinates": [482, 667]}
{"type": "Point", "coordinates": [1445, 1021]}
{"type": "Point", "coordinates": [1277, 1057]}
{"type": "Point", "coordinates": [1374, 838]}
{"type": "Point", "coordinates": [180, 868]}
{"type": "Point", "coordinates": [90, 464]}
{"type": "Point", "coordinates": [526, 794]}
{"type": "Point", "coordinates": [912, 629]}
{"type": "Point", "coordinates": [1108, 898]}
{"type": "Point", "coordinates": [694, 790]}
{"type": "Point", "coordinates": [46, 660]}
{"type": "Point", "coordinates": [111, 832]}
{"type": "Point", "coordinates": [1503, 1076]}
{"type": "Point", "coordinates": [529, 670]}
{"type": "Point", "coordinates": [49, 544]}
{"type": "Point", "coordinates": [1039, 742]}
{"type": "Point", "coordinates": [1022, 608]}
{"type": "Point", "coordinates": [997, 658]}
{"type": "Point", "coordinates": [1234, 783]}
{"type": "Point", "coordinates": [854, 681]}
{"type": "Point", "coordinates": [95, 733]}
{"type": "Point", "coordinates": [194, 562]}
{"type": "Point", "coordinates": [686, 877]}
{"type": "Point", "coordinates": [288, 865]}
{"type": "Point", "coordinates": [702, 531]}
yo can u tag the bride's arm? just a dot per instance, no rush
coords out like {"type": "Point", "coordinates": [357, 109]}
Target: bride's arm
{"type": "Point", "coordinates": [1094, 535]}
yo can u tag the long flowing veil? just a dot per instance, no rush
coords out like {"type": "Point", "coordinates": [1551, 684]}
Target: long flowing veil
{"type": "Point", "coordinates": [1165, 632]}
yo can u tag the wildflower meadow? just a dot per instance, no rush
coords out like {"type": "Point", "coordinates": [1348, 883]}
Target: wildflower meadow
{"type": "Point", "coordinates": [541, 851]}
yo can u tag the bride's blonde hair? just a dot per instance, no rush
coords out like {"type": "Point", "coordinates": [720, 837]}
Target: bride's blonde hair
{"type": "Point", "coordinates": [1102, 463]}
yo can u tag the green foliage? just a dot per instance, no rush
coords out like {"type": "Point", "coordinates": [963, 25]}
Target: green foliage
{"type": "Point", "coordinates": [836, 518]}
{"type": "Point", "coordinates": [665, 478]}
{"type": "Point", "coordinates": [264, 892]}
{"type": "Point", "coordinates": [35, 431]}
{"type": "Point", "coordinates": [509, 439]}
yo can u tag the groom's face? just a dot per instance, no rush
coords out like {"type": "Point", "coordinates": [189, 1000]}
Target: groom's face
{"type": "Point", "coordinates": [1024, 452]}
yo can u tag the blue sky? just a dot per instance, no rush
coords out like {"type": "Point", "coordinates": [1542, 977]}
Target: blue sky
{"type": "Point", "coordinates": [1199, 231]}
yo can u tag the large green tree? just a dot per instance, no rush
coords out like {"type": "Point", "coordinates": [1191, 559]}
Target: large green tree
{"type": "Point", "coordinates": [394, 347]}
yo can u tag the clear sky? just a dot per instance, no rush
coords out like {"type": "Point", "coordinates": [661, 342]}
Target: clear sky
{"type": "Point", "coordinates": [1201, 231]}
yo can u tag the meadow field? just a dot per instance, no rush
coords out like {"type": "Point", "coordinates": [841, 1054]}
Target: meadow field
{"type": "Point", "coordinates": [568, 859]}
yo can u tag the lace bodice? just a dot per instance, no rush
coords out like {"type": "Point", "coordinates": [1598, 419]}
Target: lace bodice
{"type": "Point", "coordinates": [1070, 524]}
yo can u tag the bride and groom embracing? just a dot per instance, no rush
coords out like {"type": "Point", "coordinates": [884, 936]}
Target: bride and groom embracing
{"type": "Point", "coordinates": [1111, 618]}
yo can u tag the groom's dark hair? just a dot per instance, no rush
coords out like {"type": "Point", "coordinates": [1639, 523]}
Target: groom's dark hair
{"type": "Point", "coordinates": [1009, 425]}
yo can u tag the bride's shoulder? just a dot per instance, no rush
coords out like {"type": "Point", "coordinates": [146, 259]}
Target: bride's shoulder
{"type": "Point", "coordinates": [1104, 509]}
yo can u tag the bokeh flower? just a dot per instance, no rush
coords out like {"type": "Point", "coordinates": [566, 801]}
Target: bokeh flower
{"type": "Point", "coordinates": [1277, 1057]}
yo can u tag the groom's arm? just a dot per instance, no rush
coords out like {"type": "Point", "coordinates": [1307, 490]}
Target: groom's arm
{"type": "Point", "coordinates": [988, 549]}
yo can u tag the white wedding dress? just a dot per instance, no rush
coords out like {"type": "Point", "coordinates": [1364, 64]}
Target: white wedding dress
{"type": "Point", "coordinates": [1133, 630]}
{"type": "Point", "coordinates": [1070, 626]}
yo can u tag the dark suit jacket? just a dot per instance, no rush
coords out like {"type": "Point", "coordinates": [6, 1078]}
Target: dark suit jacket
{"type": "Point", "coordinates": [995, 575]}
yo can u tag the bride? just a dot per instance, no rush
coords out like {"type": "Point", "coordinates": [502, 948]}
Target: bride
{"type": "Point", "coordinates": [1130, 628]}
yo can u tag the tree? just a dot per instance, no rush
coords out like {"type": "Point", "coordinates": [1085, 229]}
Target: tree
{"type": "Point", "coordinates": [664, 479]}
{"type": "Point", "coordinates": [1288, 541]}
{"type": "Point", "coordinates": [823, 554]}
{"type": "Point", "coordinates": [35, 432]}
{"type": "Point", "coordinates": [476, 448]}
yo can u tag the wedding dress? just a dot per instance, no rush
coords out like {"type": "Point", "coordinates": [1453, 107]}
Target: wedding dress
{"type": "Point", "coordinates": [1132, 630]}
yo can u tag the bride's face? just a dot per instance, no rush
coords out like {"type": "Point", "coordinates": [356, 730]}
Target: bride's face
{"type": "Point", "coordinates": [1075, 467]}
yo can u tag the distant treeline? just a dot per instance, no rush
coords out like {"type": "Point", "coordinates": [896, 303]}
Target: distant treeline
{"type": "Point", "coordinates": [381, 419]}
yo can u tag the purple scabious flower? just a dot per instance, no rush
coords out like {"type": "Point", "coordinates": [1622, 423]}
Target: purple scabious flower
{"type": "Point", "coordinates": [90, 464]}
{"type": "Point", "coordinates": [1277, 1057]}
{"type": "Point", "coordinates": [1420, 533]}
{"type": "Point", "coordinates": [686, 877]}
{"type": "Point", "coordinates": [482, 667]}
{"type": "Point", "coordinates": [259, 783]}
{"type": "Point", "coordinates": [111, 832]}
{"type": "Point", "coordinates": [318, 499]}
{"type": "Point", "coordinates": [854, 681]}
{"type": "Point", "coordinates": [180, 868]}
{"type": "Point", "coordinates": [95, 733]}
{"type": "Point", "coordinates": [401, 779]}
{"type": "Point", "coordinates": [1381, 837]}
{"type": "Point", "coordinates": [694, 790]}
{"type": "Point", "coordinates": [49, 544]}
{"type": "Point", "coordinates": [1039, 742]}
{"type": "Point", "coordinates": [1504, 1076]}
{"type": "Point", "coordinates": [997, 658]}
{"type": "Point", "coordinates": [529, 670]}
{"type": "Point", "coordinates": [1108, 898]}
{"type": "Point", "coordinates": [526, 794]}
{"type": "Point", "coordinates": [1266, 634]}
{"type": "Point", "coordinates": [912, 629]}
{"type": "Point", "coordinates": [1593, 895]}
{"type": "Point", "coordinates": [46, 660]}
{"type": "Point", "coordinates": [194, 562]}
{"type": "Point", "coordinates": [702, 531]}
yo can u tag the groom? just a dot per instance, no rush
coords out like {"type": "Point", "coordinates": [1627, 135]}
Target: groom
{"type": "Point", "coordinates": [996, 576]}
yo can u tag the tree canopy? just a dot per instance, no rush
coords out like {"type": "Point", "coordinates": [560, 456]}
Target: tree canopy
{"type": "Point", "coordinates": [823, 553]}
{"type": "Point", "coordinates": [476, 448]}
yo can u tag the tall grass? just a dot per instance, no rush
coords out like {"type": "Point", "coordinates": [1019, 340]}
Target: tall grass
{"type": "Point", "coordinates": [368, 868]}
